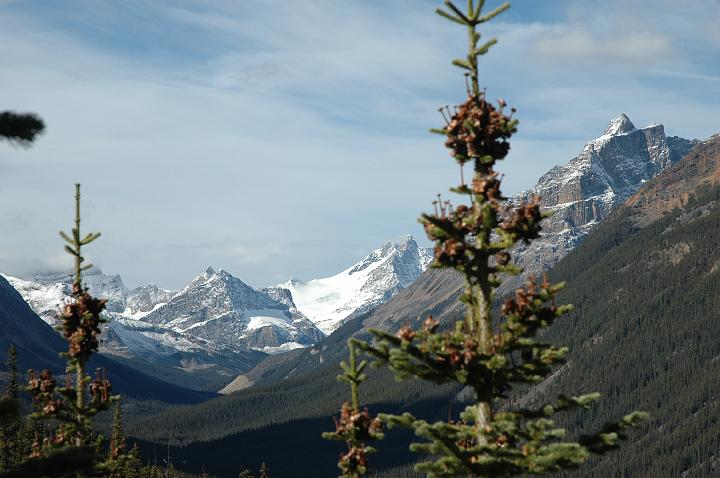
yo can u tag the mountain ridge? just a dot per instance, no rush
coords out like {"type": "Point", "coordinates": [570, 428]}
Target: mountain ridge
{"type": "Point", "coordinates": [436, 291]}
{"type": "Point", "coordinates": [217, 326]}
{"type": "Point", "coordinates": [372, 281]}
{"type": "Point", "coordinates": [630, 296]}
{"type": "Point", "coordinates": [38, 345]}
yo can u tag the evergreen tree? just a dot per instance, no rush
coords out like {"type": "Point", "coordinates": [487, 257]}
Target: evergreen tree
{"type": "Point", "coordinates": [10, 440]}
{"type": "Point", "coordinates": [20, 128]}
{"type": "Point", "coordinates": [72, 449]}
{"type": "Point", "coordinates": [133, 466]}
{"type": "Point", "coordinates": [117, 436]}
{"type": "Point", "coordinates": [355, 426]}
{"type": "Point", "coordinates": [490, 353]}
{"type": "Point", "coordinates": [246, 473]}
{"type": "Point", "coordinates": [11, 388]}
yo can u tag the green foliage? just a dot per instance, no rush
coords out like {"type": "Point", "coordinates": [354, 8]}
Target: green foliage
{"type": "Point", "coordinates": [246, 473]}
{"type": "Point", "coordinates": [15, 432]}
{"type": "Point", "coordinates": [355, 426]}
{"type": "Point", "coordinates": [490, 354]}
{"type": "Point", "coordinates": [117, 438]}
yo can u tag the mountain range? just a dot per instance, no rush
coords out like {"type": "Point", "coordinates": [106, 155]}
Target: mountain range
{"type": "Point", "coordinates": [38, 345]}
{"type": "Point", "coordinates": [634, 232]}
{"type": "Point", "coordinates": [644, 282]}
{"type": "Point", "coordinates": [581, 194]}
{"type": "Point", "coordinates": [217, 326]}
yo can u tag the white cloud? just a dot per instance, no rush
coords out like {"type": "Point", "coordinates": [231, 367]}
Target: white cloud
{"type": "Point", "coordinates": [577, 43]}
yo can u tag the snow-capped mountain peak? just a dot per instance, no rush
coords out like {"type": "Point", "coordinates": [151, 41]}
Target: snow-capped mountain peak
{"type": "Point", "coordinates": [369, 282]}
{"type": "Point", "coordinates": [619, 125]}
{"type": "Point", "coordinates": [582, 192]}
{"type": "Point", "coordinates": [144, 299]}
{"type": "Point", "coordinates": [218, 318]}
{"type": "Point", "coordinates": [110, 287]}
{"type": "Point", "coordinates": [218, 306]}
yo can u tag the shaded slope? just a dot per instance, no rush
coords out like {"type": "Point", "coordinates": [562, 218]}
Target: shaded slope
{"type": "Point", "coordinates": [646, 328]}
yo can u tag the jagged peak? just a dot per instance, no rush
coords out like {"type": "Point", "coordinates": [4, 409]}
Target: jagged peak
{"type": "Point", "coordinates": [619, 125]}
{"type": "Point", "coordinates": [208, 275]}
{"type": "Point", "coordinates": [221, 275]}
{"type": "Point", "coordinates": [408, 238]}
{"type": "Point", "coordinates": [389, 246]}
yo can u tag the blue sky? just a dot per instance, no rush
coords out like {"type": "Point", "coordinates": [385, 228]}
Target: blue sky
{"type": "Point", "coordinates": [281, 139]}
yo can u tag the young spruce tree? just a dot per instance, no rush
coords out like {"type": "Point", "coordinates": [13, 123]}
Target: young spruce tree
{"type": "Point", "coordinates": [489, 353]}
{"type": "Point", "coordinates": [10, 423]}
{"type": "Point", "coordinates": [71, 449]}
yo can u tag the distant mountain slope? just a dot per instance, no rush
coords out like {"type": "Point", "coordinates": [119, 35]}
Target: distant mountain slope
{"type": "Point", "coordinates": [183, 359]}
{"type": "Point", "coordinates": [364, 285]}
{"type": "Point", "coordinates": [646, 286]}
{"type": "Point", "coordinates": [617, 163]}
{"type": "Point", "coordinates": [38, 346]}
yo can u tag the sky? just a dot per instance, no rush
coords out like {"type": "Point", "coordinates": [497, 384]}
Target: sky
{"type": "Point", "coordinates": [278, 139]}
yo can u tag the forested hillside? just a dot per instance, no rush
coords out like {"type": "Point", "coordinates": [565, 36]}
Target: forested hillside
{"type": "Point", "coordinates": [646, 325]}
{"type": "Point", "coordinates": [280, 423]}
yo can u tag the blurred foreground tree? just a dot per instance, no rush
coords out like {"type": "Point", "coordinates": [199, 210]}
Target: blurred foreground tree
{"type": "Point", "coordinates": [20, 128]}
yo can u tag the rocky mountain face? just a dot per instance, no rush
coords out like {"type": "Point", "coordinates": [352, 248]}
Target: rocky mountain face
{"type": "Point", "coordinates": [699, 169]}
{"type": "Point", "coordinates": [38, 345]}
{"type": "Point", "coordinates": [145, 298]}
{"type": "Point", "coordinates": [581, 194]}
{"type": "Point", "coordinates": [370, 282]}
{"type": "Point", "coordinates": [222, 308]}
{"type": "Point", "coordinates": [183, 358]}
{"type": "Point", "coordinates": [603, 176]}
